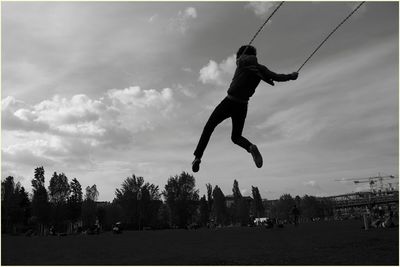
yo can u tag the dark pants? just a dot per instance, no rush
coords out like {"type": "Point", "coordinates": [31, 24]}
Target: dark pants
{"type": "Point", "coordinates": [227, 108]}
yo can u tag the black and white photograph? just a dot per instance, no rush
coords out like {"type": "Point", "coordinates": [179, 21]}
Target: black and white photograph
{"type": "Point", "coordinates": [200, 133]}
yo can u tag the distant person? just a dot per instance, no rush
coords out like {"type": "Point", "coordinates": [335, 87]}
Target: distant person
{"type": "Point", "coordinates": [389, 220]}
{"type": "Point", "coordinates": [247, 76]}
{"type": "Point", "coordinates": [295, 213]}
{"type": "Point", "coordinates": [381, 212]}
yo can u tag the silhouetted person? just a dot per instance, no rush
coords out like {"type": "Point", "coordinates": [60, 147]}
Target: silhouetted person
{"type": "Point", "coordinates": [296, 213]}
{"type": "Point", "coordinates": [389, 220]}
{"type": "Point", "coordinates": [247, 76]}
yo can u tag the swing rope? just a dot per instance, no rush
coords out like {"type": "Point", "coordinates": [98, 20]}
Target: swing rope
{"type": "Point", "coordinates": [262, 26]}
{"type": "Point", "coordinates": [332, 32]}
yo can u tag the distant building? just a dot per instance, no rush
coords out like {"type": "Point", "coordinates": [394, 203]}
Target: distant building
{"type": "Point", "coordinates": [102, 203]}
{"type": "Point", "coordinates": [230, 200]}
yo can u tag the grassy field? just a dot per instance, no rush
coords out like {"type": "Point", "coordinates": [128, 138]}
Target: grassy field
{"type": "Point", "coordinates": [323, 243]}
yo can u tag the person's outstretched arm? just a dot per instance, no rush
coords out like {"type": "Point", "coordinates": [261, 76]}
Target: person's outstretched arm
{"type": "Point", "coordinates": [269, 76]}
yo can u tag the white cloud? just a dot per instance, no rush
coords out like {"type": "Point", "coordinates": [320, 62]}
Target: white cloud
{"type": "Point", "coordinates": [11, 104]}
{"type": "Point", "coordinates": [141, 98]}
{"type": "Point", "coordinates": [61, 111]}
{"type": "Point", "coordinates": [71, 128]}
{"type": "Point", "coordinates": [29, 153]}
{"type": "Point", "coordinates": [313, 185]}
{"type": "Point", "coordinates": [260, 9]}
{"type": "Point", "coordinates": [187, 90]}
{"type": "Point", "coordinates": [153, 18]}
{"type": "Point", "coordinates": [218, 73]}
{"type": "Point", "coordinates": [181, 21]}
{"type": "Point", "coordinates": [190, 12]}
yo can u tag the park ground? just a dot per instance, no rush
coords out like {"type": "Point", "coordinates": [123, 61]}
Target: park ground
{"type": "Point", "coordinates": [319, 243]}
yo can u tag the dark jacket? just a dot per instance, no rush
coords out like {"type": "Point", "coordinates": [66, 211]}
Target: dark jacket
{"type": "Point", "coordinates": [248, 75]}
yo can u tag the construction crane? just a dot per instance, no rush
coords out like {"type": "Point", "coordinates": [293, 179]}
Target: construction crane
{"type": "Point", "coordinates": [372, 181]}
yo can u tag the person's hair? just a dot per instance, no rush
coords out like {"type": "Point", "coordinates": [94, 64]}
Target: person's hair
{"type": "Point", "coordinates": [247, 49]}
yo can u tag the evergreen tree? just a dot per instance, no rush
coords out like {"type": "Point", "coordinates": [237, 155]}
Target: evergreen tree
{"type": "Point", "coordinates": [219, 209]}
{"type": "Point", "coordinates": [237, 206]}
{"type": "Point", "coordinates": [243, 212]}
{"type": "Point", "coordinates": [40, 200]}
{"type": "Point", "coordinates": [25, 205]}
{"type": "Point", "coordinates": [209, 197]}
{"type": "Point", "coordinates": [204, 212]}
{"type": "Point", "coordinates": [9, 205]}
{"type": "Point", "coordinates": [258, 208]}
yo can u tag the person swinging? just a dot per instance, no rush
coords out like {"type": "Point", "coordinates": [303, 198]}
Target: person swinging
{"type": "Point", "coordinates": [246, 78]}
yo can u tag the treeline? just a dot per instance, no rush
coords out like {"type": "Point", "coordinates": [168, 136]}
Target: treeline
{"type": "Point", "coordinates": [139, 204]}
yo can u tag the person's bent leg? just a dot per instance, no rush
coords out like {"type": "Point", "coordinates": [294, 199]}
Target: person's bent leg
{"type": "Point", "coordinates": [220, 113]}
{"type": "Point", "coordinates": [238, 120]}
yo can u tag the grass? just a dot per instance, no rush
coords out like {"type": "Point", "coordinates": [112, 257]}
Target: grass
{"type": "Point", "coordinates": [322, 243]}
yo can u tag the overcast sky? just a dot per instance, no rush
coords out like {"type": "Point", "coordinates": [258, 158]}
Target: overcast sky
{"type": "Point", "coordinates": [104, 90]}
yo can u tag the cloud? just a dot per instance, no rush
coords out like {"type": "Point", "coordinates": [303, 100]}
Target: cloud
{"type": "Point", "coordinates": [28, 154]}
{"type": "Point", "coordinates": [188, 91]}
{"type": "Point", "coordinates": [181, 21]}
{"type": "Point", "coordinates": [69, 130]}
{"type": "Point", "coordinates": [296, 123]}
{"type": "Point", "coordinates": [190, 12]}
{"type": "Point", "coordinates": [16, 115]}
{"type": "Point", "coordinates": [141, 98]}
{"type": "Point", "coordinates": [153, 18]}
{"type": "Point", "coordinates": [218, 73]}
{"type": "Point", "coordinates": [260, 9]}
{"type": "Point", "coordinates": [312, 183]}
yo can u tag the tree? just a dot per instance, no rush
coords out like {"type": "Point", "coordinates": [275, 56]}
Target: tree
{"type": "Point", "coordinates": [209, 196]}
{"type": "Point", "coordinates": [25, 205]}
{"type": "Point", "coordinates": [164, 217]}
{"type": "Point", "coordinates": [7, 203]}
{"type": "Point", "coordinates": [204, 212]}
{"type": "Point", "coordinates": [258, 208]}
{"type": "Point", "coordinates": [140, 202]}
{"type": "Point", "coordinates": [15, 205]}
{"type": "Point", "coordinates": [89, 206]}
{"type": "Point", "coordinates": [243, 212]}
{"type": "Point", "coordinates": [237, 205]}
{"type": "Point", "coordinates": [91, 193]}
{"type": "Point", "coordinates": [40, 200]}
{"type": "Point", "coordinates": [59, 191]}
{"type": "Point", "coordinates": [114, 213]}
{"type": "Point", "coordinates": [149, 203]}
{"type": "Point", "coordinates": [312, 208]}
{"type": "Point", "coordinates": [219, 209]}
{"type": "Point", "coordinates": [75, 200]}
{"type": "Point", "coordinates": [285, 206]}
{"type": "Point", "coordinates": [59, 188]}
{"type": "Point", "coordinates": [181, 197]}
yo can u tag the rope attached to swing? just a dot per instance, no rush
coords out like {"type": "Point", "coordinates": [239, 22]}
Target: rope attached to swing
{"type": "Point", "coordinates": [262, 26]}
{"type": "Point", "coordinates": [332, 32]}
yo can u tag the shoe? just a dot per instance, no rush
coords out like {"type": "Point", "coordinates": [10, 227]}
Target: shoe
{"type": "Point", "coordinates": [196, 165]}
{"type": "Point", "coordinates": [258, 160]}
